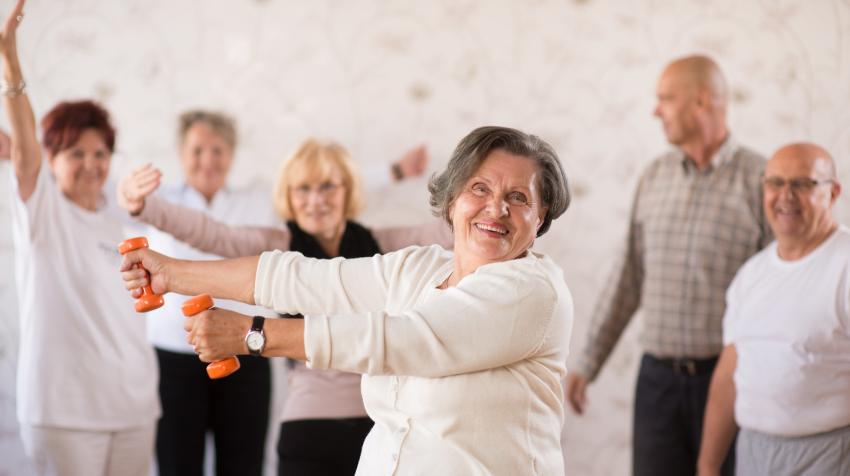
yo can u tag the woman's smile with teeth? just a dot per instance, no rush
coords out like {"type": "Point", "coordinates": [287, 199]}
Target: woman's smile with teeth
{"type": "Point", "coordinates": [494, 228]}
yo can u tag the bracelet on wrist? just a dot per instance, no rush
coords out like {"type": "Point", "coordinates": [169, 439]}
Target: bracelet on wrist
{"type": "Point", "coordinates": [397, 173]}
{"type": "Point", "coordinates": [11, 91]}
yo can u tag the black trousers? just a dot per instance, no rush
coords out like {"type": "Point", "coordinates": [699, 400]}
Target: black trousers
{"type": "Point", "coordinates": [235, 409]}
{"type": "Point", "coordinates": [321, 447]}
{"type": "Point", "coordinates": [669, 408]}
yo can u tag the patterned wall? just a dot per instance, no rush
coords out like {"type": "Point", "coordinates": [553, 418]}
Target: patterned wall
{"type": "Point", "coordinates": [379, 76]}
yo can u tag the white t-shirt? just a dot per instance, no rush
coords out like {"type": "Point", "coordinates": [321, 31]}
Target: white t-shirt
{"type": "Point", "coordinates": [461, 381]}
{"type": "Point", "coordinates": [790, 323]}
{"type": "Point", "coordinates": [84, 361]}
{"type": "Point", "coordinates": [249, 206]}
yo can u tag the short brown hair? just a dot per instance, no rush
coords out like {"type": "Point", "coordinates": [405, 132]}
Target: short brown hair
{"type": "Point", "coordinates": [64, 124]}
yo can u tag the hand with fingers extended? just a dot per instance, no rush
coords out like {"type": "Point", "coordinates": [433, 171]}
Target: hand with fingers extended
{"type": "Point", "coordinates": [8, 45]}
{"type": "Point", "coordinates": [138, 264]}
{"type": "Point", "coordinates": [217, 334]}
{"type": "Point", "coordinates": [577, 392]}
{"type": "Point", "coordinates": [136, 186]}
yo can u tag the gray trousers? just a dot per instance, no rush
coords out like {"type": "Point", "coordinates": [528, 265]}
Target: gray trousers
{"type": "Point", "coordinates": [821, 454]}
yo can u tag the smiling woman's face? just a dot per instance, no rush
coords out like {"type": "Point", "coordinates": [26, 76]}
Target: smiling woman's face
{"type": "Point", "coordinates": [496, 215]}
{"type": "Point", "coordinates": [81, 169]}
{"type": "Point", "coordinates": [206, 159]}
{"type": "Point", "coordinates": [318, 202]}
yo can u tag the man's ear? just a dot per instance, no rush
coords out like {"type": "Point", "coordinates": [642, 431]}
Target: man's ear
{"type": "Point", "coordinates": [836, 192]}
{"type": "Point", "coordinates": [704, 98]}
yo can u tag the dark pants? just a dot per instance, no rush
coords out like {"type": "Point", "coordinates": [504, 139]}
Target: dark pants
{"type": "Point", "coordinates": [321, 447]}
{"type": "Point", "coordinates": [669, 408]}
{"type": "Point", "coordinates": [235, 409]}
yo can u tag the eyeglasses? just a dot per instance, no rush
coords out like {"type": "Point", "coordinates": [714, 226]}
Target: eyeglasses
{"type": "Point", "coordinates": [324, 190]}
{"type": "Point", "coordinates": [798, 185]}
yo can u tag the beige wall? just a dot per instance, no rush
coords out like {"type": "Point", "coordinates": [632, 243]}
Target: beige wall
{"type": "Point", "coordinates": [379, 76]}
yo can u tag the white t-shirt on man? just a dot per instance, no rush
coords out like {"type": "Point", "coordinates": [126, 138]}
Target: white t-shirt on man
{"type": "Point", "coordinates": [790, 323]}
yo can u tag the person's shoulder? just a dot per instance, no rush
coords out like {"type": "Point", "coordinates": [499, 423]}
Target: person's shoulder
{"type": "Point", "coordinates": [842, 239]}
{"type": "Point", "coordinates": [755, 265]}
{"type": "Point", "coordinates": [746, 157]}
{"type": "Point", "coordinates": [662, 164]}
{"type": "Point", "coordinates": [841, 251]}
{"type": "Point", "coordinates": [256, 189]}
{"type": "Point", "coordinates": [534, 274]}
{"type": "Point", "coordinates": [667, 158]}
{"type": "Point", "coordinates": [542, 264]}
{"type": "Point", "coordinates": [430, 253]}
{"type": "Point", "coordinates": [552, 274]}
{"type": "Point", "coordinates": [843, 232]}
{"type": "Point", "coordinates": [414, 262]}
{"type": "Point", "coordinates": [436, 252]}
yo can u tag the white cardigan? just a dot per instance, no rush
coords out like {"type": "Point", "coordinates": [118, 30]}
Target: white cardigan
{"type": "Point", "coordinates": [461, 381]}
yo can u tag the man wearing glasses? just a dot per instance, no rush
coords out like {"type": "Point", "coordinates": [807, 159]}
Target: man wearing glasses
{"type": "Point", "coordinates": [696, 218]}
{"type": "Point", "coordinates": [785, 367]}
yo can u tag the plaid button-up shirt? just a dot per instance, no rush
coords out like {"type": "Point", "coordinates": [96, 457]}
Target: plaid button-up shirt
{"type": "Point", "coordinates": [690, 231]}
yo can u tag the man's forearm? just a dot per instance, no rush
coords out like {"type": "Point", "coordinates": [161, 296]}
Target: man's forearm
{"type": "Point", "coordinates": [719, 425]}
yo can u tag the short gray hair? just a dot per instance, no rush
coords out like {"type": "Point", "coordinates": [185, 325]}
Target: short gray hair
{"type": "Point", "coordinates": [222, 124]}
{"type": "Point", "coordinates": [477, 145]}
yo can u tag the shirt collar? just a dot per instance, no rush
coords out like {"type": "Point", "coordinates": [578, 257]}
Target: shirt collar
{"type": "Point", "coordinates": [721, 155]}
{"type": "Point", "coordinates": [194, 197]}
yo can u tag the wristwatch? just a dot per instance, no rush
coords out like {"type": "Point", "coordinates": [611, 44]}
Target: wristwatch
{"type": "Point", "coordinates": [256, 338]}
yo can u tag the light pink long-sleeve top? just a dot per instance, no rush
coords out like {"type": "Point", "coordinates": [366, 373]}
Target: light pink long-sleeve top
{"type": "Point", "coordinates": [312, 394]}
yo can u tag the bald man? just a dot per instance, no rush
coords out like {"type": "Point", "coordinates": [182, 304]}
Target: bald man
{"type": "Point", "coordinates": [785, 367]}
{"type": "Point", "coordinates": [696, 218]}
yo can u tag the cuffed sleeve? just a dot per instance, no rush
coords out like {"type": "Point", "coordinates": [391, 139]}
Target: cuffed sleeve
{"type": "Point", "coordinates": [317, 342]}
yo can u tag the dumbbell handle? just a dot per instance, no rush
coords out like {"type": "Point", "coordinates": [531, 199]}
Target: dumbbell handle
{"type": "Point", "coordinates": [148, 301]}
{"type": "Point", "coordinates": [219, 368]}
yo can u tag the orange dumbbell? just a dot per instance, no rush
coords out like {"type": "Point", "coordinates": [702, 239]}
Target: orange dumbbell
{"type": "Point", "coordinates": [219, 368]}
{"type": "Point", "coordinates": [148, 300]}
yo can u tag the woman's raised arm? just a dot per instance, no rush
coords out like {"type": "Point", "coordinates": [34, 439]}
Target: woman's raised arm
{"type": "Point", "coordinates": [26, 152]}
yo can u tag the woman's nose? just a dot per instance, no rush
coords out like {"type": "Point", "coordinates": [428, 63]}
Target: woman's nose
{"type": "Point", "coordinates": [316, 197]}
{"type": "Point", "coordinates": [90, 162]}
{"type": "Point", "coordinates": [498, 205]}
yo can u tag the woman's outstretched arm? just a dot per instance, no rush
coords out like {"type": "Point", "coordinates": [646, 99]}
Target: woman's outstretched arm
{"type": "Point", "coordinates": [26, 152]}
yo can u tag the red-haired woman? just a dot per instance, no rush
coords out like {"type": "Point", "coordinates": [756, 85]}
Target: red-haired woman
{"type": "Point", "coordinates": [87, 398]}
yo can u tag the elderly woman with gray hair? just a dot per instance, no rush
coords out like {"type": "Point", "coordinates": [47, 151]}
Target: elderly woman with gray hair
{"type": "Point", "coordinates": [462, 354]}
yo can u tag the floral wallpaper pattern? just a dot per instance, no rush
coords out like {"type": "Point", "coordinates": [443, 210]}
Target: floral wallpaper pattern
{"type": "Point", "coordinates": [380, 76]}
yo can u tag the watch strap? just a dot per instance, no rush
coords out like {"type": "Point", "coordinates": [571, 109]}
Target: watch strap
{"type": "Point", "coordinates": [257, 328]}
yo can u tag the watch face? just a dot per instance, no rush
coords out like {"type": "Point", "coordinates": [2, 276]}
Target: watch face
{"type": "Point", "coordinates": [255, 341]}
